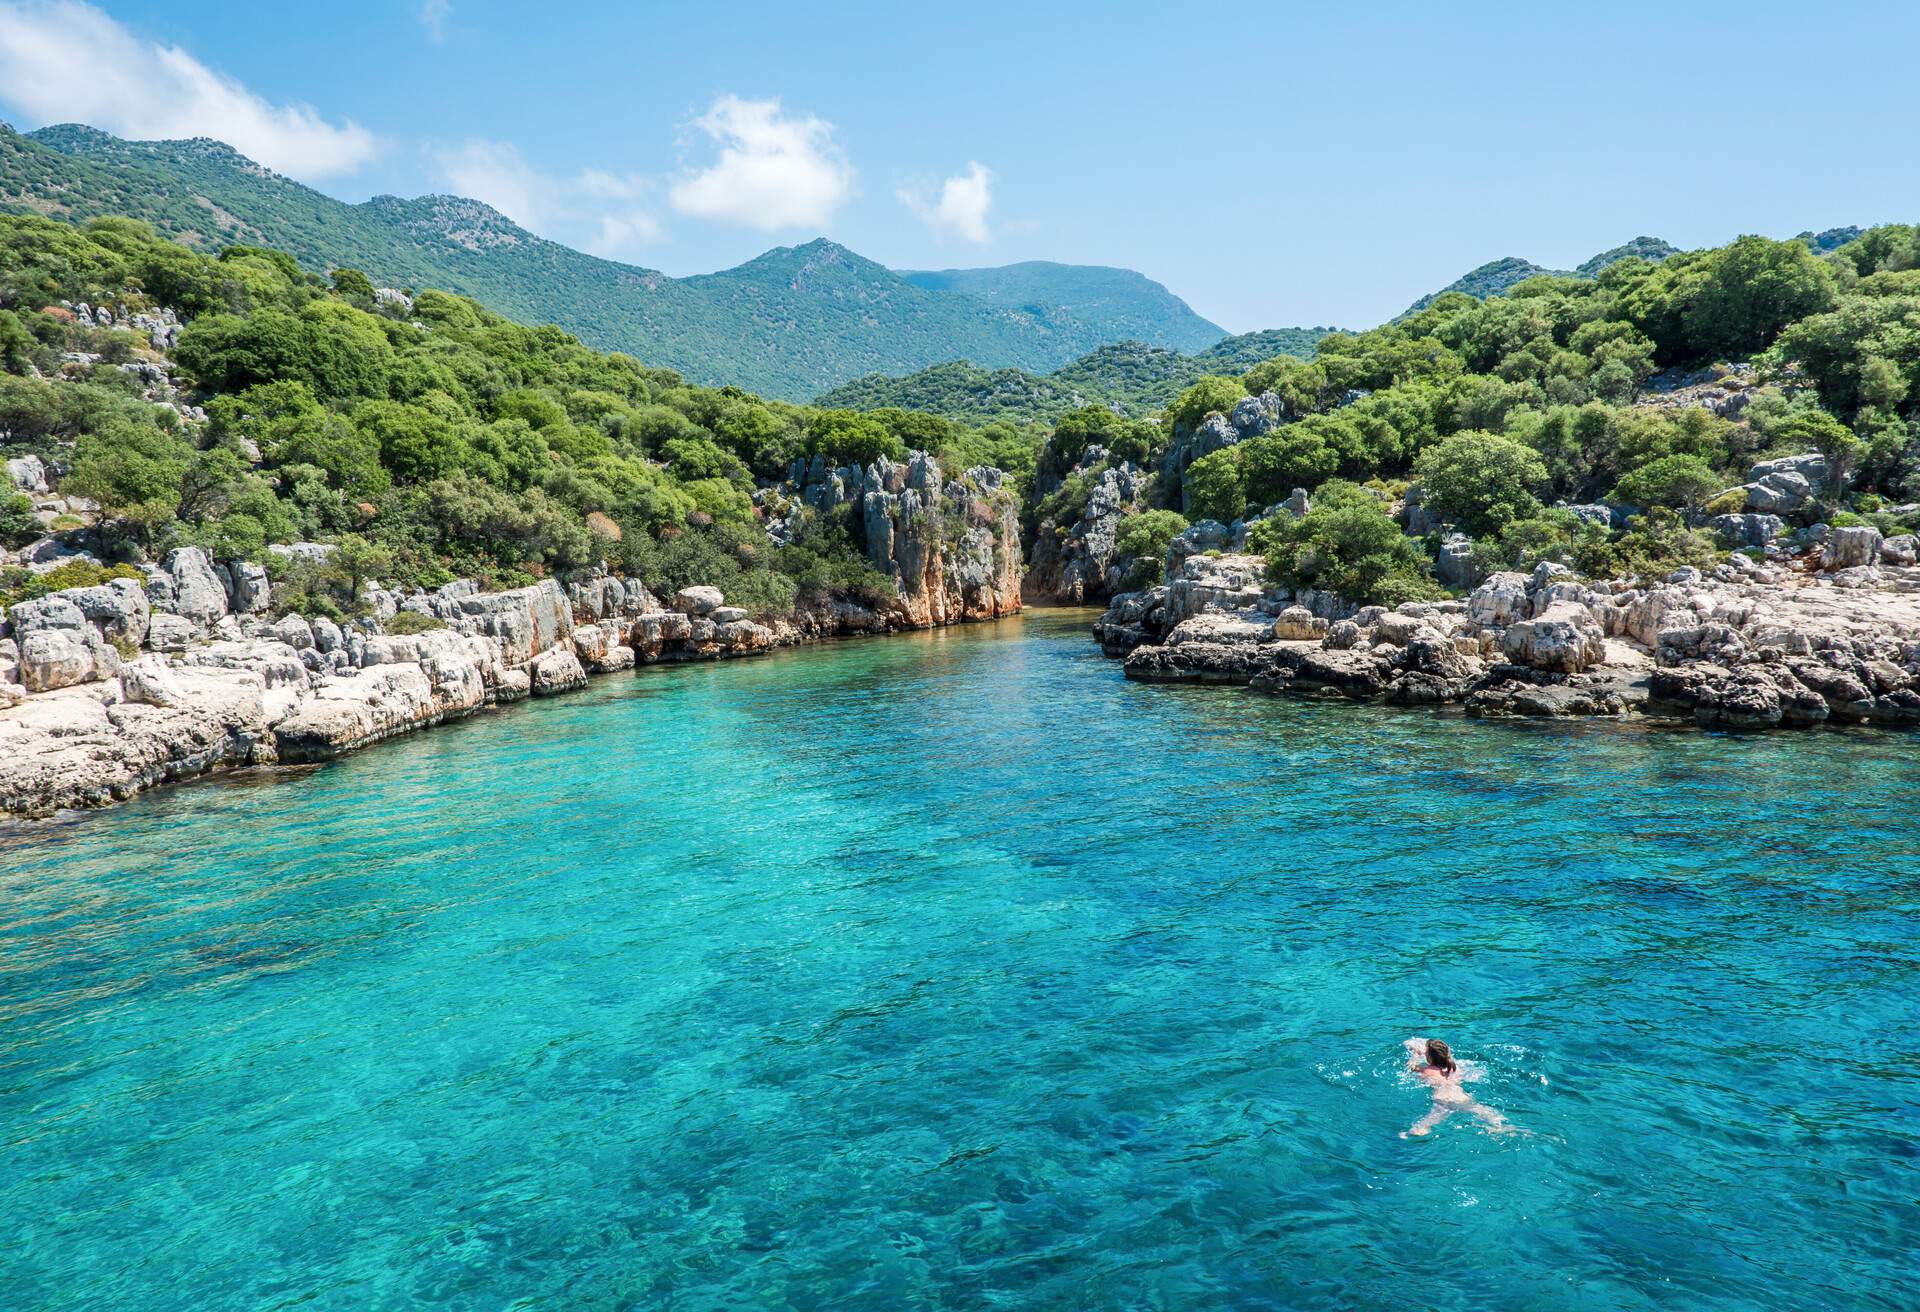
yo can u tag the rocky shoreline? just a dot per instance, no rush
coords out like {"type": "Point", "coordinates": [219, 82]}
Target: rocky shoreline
{"type": "Point", "coordinates": [108, 690]}
{"type": "Point", "coordinates": [1830, 637]}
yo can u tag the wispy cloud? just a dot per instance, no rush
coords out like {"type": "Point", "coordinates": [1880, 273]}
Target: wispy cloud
{"type": "Point", "coordinates": [65, 61]}
{"type": "Point", "coordinates": [433, 17]}
{"type": "Point", "coordinates": [960, 210]}
{"type": "Point", "coordinates": [772, 170]}
{"type": "Point", "coordinates": [606, 213]}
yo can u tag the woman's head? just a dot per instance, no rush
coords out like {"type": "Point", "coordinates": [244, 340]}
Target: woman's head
{"type": "Point", "coordinates": [1440, 1055]}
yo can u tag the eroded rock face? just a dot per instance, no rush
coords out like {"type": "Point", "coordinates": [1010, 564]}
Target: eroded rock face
{"type": "Point", "coordinates": [951, 546]}
{"type": "Point", "coordinates": [54, 658]}
{"type": "Point", "coordinates": [187, 586]}
{"type": "Point", "coordinates": [1074, 564]}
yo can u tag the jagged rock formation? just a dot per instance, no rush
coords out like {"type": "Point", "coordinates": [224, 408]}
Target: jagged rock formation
{"type": "Point", "coordinates": [1077, 563]}
{"type": "Point", "coordinates": [1752, 646]}
{"type": "Point", "coordinates": [950, 545]}
{"type": "Point", "coordinates": [108, 690]}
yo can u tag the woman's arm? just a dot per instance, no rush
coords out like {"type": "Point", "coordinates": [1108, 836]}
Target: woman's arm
{"type": "Point", "coordinates": [1416, 1053]}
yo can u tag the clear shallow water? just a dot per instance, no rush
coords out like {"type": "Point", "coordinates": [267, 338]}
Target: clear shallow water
{"type": "Point", "coordinates": [955, 971]}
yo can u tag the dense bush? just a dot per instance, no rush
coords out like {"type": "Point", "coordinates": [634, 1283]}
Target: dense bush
{"type": "Point", "coordinates": [1482, 481]}
{"type": "Point", "coordinates": [1674, 481]}
{"type": "Point", "coordinates": [1140, 544]}
{"type": "Point", "coordinates": [1215, 487]}
{"type": "Point", "coordinates": [1347, 543]}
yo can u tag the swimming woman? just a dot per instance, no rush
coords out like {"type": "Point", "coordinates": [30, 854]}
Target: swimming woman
{"type": "Point", "coordinates": [1432, 1062]}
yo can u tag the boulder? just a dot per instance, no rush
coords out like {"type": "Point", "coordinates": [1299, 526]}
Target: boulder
{"type": "Point", "coordinates": [727, 614]}
{"type": "Point", "coordinates": [196, 594]}
{"type": "Point", "coordinates": [1749, 530]}
{"type": "Point", "coordinates": [1901, 549]}
{"type": "Point", "coordinates": [1564, 639]}
{"type": "Point", "coordinates": [149, 681]}
{"type": "Point", "coordinates": [1251, 418]}
{"type": "Point", "coordinates": [248, 588]}
{"type": "Point", "coordinates": [1847, 548]}
{"type": "Point", "coordinates": [54, 658]}
{"type": "Point", "coordinates": [29, 474]}
{"type": "Point", "coordinates": [1454, 566]}
{"type": "Point", "coordinates": [168, 632]}
{"type": "Point", "coordinates": [1298, 624]}
{"type": "Point", "coordinates": [556, 671]}
{"type": "Point", "coordinates": [294, 631]}
{"type": "Point", "coordinates": [698, 600]}
{"type": "Point", "coordinates": [1501, 600]}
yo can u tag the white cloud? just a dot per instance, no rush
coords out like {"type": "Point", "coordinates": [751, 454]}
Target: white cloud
{"type": "Point", "coordinates": [433, 17]}
{"type": "Point", "coordinates": [961, 210]}
{"type": "Point", "coordinates": [603, 212]}
{"type": "Point", "coordinates": [65, 61]}
{"type": "Point", "coordinates": [773, 170]}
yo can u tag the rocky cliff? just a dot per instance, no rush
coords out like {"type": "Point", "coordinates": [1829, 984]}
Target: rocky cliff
{"type": "Point", "coordinates": [950, 545]}
{"type": "Point", "coordinates": [107, 690]}
{"type": "Point", "coordinates": [1832, 636]}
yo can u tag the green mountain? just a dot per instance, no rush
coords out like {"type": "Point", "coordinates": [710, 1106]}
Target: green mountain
{"type": "Point", "coordinates": [1497, 277]}
{"type": "Point", "coordinates": [789, 324]}
{"type": "Point", "coordinates": [1133, 304]}
{"type": "Point", "coordinates": [1136, 378]}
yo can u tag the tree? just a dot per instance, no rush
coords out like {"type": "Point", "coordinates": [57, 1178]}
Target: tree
{"type": "Point", "coordinates": [1828, 436]}
{"type": "Point", "coordinates": [1211, 395]}
{"type": "Point", "coordinates": [1347, 544]}
{"type": "Point", "coordinates": [1291, 457]}
{"type": "Point", "coordinates": [846, 437]}
{"type": "Point", "coordinates": [1141, 541]}
{"type": "Point", "coordinates": [1213, 488]}
{"type": "Point", "coordinates": [1678, 482]}
{"type": "Point", "coordinates": [1482, 481]}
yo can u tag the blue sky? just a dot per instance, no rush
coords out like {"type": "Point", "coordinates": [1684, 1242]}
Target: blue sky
{"type": "Point", "coordinates": [1274, 164]}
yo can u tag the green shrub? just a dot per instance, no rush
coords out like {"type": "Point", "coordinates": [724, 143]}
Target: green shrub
{"type": "Point", "coordinates": [1731, 502]}
{"type": "Point", "coordinates": [1674, 481]}
{"type": "Point", "coordinates": [1481, 481]}
{"type": "Point", "coordinates": [1348, 544]}
{"type": "Point", "coordinates": [1141, 542]}
{"type": "Point", "coordinates": [408, 622]}
{"type": "Point", "coordinates": [1211, 395]}
{"type": "Point", "coordinates": [1213, 487]}
{"type": "Point", "coordinates": [18, 524]}
{"type": "Point", "coordinates": [24, 585]}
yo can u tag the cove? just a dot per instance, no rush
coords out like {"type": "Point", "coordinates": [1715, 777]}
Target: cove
{"type": "Point", "coordinates": [954, 970]}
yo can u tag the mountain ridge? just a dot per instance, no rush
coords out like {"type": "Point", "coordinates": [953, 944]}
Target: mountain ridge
{"type": "Point", "coordinates": [770, 325]}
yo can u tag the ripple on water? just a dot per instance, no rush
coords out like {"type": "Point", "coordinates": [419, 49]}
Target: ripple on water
{"type": "Point", "coordinates": [954, 970]}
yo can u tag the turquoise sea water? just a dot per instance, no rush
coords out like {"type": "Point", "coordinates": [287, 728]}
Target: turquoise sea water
{"type": "Point", "coordinates": [954, 971]}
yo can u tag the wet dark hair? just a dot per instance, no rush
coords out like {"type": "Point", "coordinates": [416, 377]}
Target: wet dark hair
{"type": "Point", "coordinates": [1439, 1054]}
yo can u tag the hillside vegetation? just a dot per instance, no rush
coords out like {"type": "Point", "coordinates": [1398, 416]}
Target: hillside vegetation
{"type": "Point", "coordinates": [426, 441]}
{"type": "Point", "coordinates": [1502, 409]}
{"type": "Point", "coordinates": [790, 324]}
{"type": "Point", "coordinates": [1127, 303]}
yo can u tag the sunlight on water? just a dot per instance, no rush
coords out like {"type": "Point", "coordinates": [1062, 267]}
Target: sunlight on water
{"type": "Point", "coordinates": [953, 970]}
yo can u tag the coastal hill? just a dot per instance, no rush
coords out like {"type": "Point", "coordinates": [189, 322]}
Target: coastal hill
{"type": "Point", "coordinates": [789, 324]}
{"type": "Point", "coordinates": [1130, 378]}
{"type": "Point", "coordinates": [1497, 277]}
